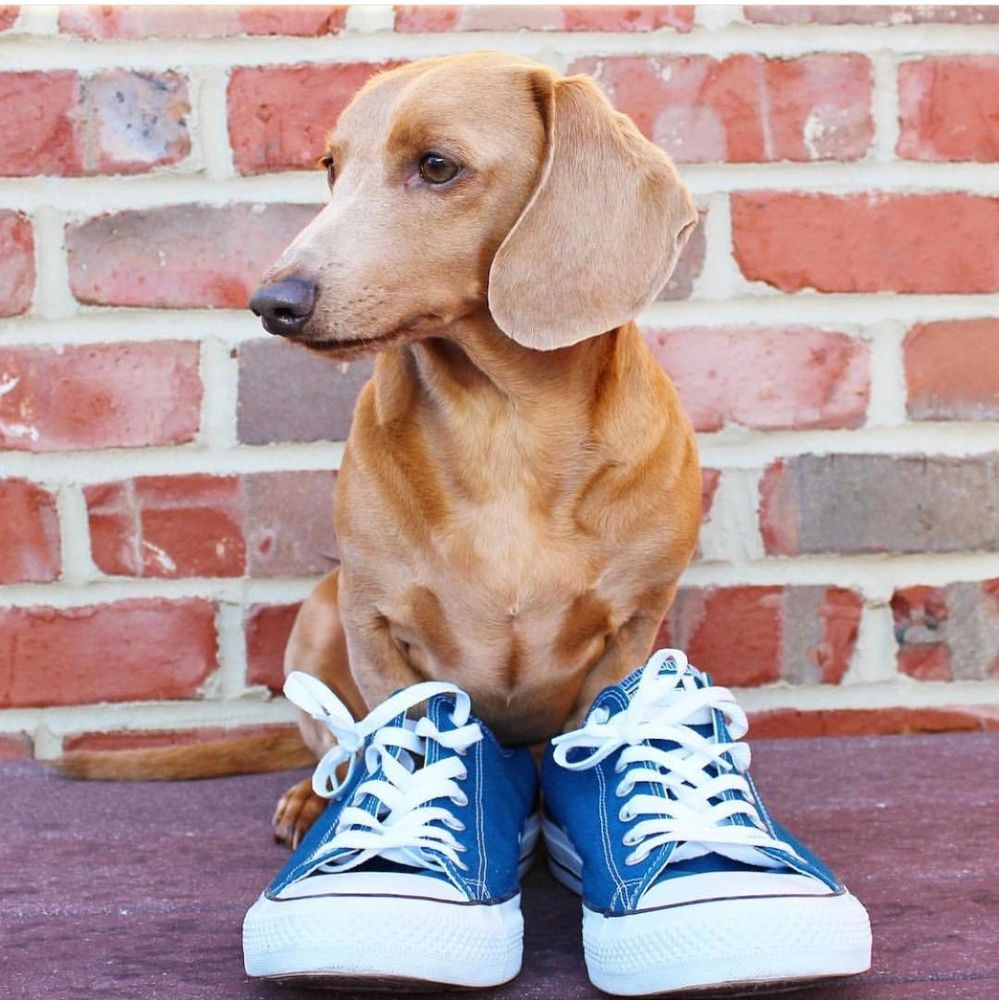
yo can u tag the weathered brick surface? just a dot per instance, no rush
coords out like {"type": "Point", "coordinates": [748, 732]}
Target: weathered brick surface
{"type": "Point", "coordinates": [180, 257]}
{"type": "Point", "coordinates": [289, 523]}
{"type": "Point", "coordinates": [168, 526]}
{"type": "Point", "coordinates": [135, 22]}
{"type": "Point", "coordinates": [17, 263]}
{"type": "Point", "coordinates": [473, 17]}
{"type": "Point", "coordinates": [949, 108]}
{"type": "Point", "coordinates": [15, 746]}
{"type": "Point", "coordinates": [279, 116]}
{"type": "Point", "coordinates": [36, 122]}
{"type": "Point", "coordinates": [268, 627]}
{"type": "Point", "coordinates": [875, 14]}
{"type": "Point", "coordinates": [264, 524]}
{"type": "Point", "coordinates": [744, 636]}
{"type": "Point", "coordinates": [873, 242]}
{"type": "Point", "coordinates": [29, 533]}
{"type": "Point", "coordinates": [791, 722]}
{"type": "Point", "coordinates": [129, 651]}
{"type": "Point", "coordinates": [787, 378]}
{"type": "Point", "coordinates": [132, 739]}
{"type": "Point", "coordinates": [132, 122]}
{"type": "Point", "coordinates": [948, 633]}
{"type": "Point", "coordinates": [287, 393]}
{"type": "Point", "coordinates": [766, 378]}
{"type": "Point", "coordinates": [99, 396]}
{"type": "Point", "coordinates": [952, 370]}
{"type": "Point", "coordinates": [880, 503]}
{"type": "Point", "coordinates": [743, 108]}
{"type": "Point", "coordinates": [112, 122]}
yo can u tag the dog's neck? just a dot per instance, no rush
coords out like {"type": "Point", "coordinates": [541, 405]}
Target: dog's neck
{"type": "Point", "coordinates": [473, 355]}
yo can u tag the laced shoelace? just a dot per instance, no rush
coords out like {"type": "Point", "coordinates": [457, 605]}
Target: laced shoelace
{"type": "Point", "coordinates": [696, 806]}
{"type": "Point", "coordinates": [403, 827]}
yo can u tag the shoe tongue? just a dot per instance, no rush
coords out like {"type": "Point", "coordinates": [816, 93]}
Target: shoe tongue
{"type": "Point", "coordinates": [617, 697]}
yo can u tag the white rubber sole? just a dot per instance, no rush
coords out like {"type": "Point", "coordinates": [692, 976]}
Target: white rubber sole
{"type": "Point", "coordinates": [719, 943]}
{"type": "Point", "coordinates": [381, 940]}
{"type": "Point", "coordinates": [370, 940]}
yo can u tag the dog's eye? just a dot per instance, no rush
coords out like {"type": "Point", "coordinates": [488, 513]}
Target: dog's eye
{"type": "Point", "coordinates": [327, 162]}
{"type": "Point", "coordinates": [437, 169]}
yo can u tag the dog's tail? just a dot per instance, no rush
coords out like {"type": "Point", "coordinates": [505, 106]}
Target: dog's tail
{"type": "Point", "coordinates": [278, 751]}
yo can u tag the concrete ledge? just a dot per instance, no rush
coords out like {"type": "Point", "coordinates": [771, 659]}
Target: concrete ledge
{"type": "Point", "coordinates": [113, 890]}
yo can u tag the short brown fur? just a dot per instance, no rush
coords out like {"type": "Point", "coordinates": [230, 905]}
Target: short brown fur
{"type": "Point", "coordinates": [520, 490]}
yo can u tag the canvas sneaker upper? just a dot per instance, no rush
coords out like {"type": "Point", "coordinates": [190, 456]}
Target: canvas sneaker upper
{"type": "Point", "coordinates": [687, 881]}
{"type": "Point", "coordinates": [658, 756]}
{"type": "Point", "coordinates": [430, 819]}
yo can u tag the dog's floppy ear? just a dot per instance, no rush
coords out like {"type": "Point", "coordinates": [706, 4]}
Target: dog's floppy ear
{"type": "Point", "coordinates": [602, 232]}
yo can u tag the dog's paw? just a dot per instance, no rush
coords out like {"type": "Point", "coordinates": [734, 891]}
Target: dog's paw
{"type": "Point", "coordinates": [296, 811]}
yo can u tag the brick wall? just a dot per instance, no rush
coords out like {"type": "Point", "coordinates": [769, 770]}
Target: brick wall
{"type": "Point", "coordinates": [833, 328]}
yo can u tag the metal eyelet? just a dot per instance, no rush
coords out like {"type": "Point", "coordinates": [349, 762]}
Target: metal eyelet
{"type": "Point", "coordinates": [624, 815]}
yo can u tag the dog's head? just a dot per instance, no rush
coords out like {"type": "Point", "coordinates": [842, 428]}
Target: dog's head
{"type": "Point", "coordinates": [479, 181]}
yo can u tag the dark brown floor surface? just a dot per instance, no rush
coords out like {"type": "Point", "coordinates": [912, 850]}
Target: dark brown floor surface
{"type": "Point", "coordinates": [111, 890]}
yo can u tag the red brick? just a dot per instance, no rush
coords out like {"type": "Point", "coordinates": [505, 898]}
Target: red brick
{"type": "Point", "coordinates": [320, 405]}
{"type": "Point", "coordinates": [17, 263]}
{"type": "Point", "coordinates": [749, 635]}
{"type": "Point", "coordinates": [744, 108]}
{"type": "Point", "coordinates": [787, 377]}
{"type": "Point", "coordinates": [948, 633]}
{"type": "Point", "coordinates": [180, 257]}
{"type": "Point", "coordinates": [36, 120]}
{"type": "Point", "coordinates": [475, 17]}
{"type": "Point", "coordinates": [99, 396]}
{"type": "Point", "coordinates": [872, 242]}
{"type": "Point", "coordinates": [8, 15]}
{"type": "Point", "coordinates": [268, 627]}
{"type": "Point", "coordinates": [129, 651]}
{"type": "Point", "coordinates": [792, 722]}
{"type": "Point", "coordinates": [168, 526]}
{"type": "Point", "coordinates": [839, 612]}
{"type": "Point", "coordinates": [952, 370]}
{"type": "Point", "coordinates": [279, 116]}
{"type": "Point", "coordinates": [268, 524]}
{"type": "Point", "coordinates": [29, 533]}
{"type": "Point", "coordinates": [133, 739]}
{"type": "Point", "coordinates": [15, 746]}
{"type": "Point", "coordinates": [877, 14]}
{"type": "Point", "coordinates": [132, 122]}
{"type": "Point", "coordinates": [134, 22]}
{"type": "Point", "coordinates": [289, 523]}
{"type": "Point", "coordinates": [879, 503]}
{"type": "Point", "coordinates": [112, 122]}
{"type": "Point", "coordinates": [949, 108]}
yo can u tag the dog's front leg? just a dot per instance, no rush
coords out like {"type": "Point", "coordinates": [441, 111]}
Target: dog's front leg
{"type": "Point", "coordinates": [378, 663]}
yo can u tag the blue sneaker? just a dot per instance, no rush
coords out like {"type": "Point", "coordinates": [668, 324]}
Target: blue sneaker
{"type": "Point", "coordinates": [412, 873]}
{"type": "Point", "coordinates": [687, 882]}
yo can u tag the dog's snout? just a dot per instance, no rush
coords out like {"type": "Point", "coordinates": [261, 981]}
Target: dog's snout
{"type": "Point", "coordinates": [285, 306]}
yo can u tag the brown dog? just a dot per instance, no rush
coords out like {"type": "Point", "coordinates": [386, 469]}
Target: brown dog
{"type": "Point", "coordinates": [520, 489]}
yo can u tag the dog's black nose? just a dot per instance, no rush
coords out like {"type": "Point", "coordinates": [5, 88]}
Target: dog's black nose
{"type": "Point", "coordinates": [285, 306]}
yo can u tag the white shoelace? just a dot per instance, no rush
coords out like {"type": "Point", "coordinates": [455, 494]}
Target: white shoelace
{"type": "Point", "coordinates": [404, 828]}
{"type": "Point", "coordinates": [695, 807]}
